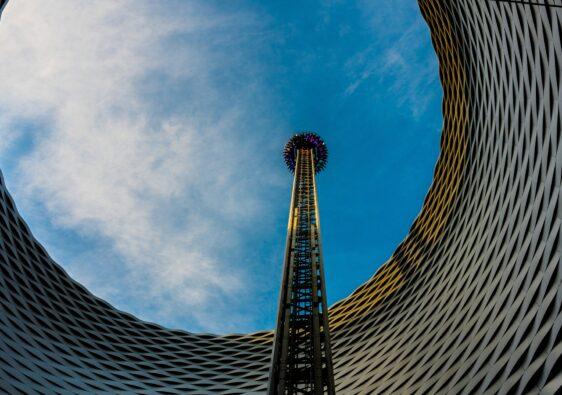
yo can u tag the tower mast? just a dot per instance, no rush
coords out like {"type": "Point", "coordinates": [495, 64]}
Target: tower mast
{"type": "Point", "coordinates": [302, 360]}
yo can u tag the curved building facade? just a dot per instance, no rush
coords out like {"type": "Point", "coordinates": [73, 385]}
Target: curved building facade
{"type": "Point", "coordinates": [470, 302]}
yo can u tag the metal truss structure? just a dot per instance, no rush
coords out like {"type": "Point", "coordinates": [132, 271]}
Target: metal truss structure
{"type": "Point", "coordinates": [470, 302]}
{"type": "Point", "coordinates": [302, 358]}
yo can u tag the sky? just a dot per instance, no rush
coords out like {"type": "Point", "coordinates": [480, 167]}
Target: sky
{"type": "Point", "coordinates": [142, 143]}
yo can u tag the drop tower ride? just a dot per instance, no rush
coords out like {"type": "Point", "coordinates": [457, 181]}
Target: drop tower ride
{"type": "Point", "coordinates": [301, 360]}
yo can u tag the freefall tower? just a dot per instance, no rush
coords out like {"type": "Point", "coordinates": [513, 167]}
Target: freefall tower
{"type": "Point", "coordinates": [301, 361]}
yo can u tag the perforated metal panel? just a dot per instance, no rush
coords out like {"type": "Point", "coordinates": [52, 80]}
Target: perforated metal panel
{"type": "Point", "coordinates": [469, 302]}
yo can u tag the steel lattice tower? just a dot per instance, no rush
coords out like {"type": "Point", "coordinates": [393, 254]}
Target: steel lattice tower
{"type": "Point", "coordinates": [301, 360]}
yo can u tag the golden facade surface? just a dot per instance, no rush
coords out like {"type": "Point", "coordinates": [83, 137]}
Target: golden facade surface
{"type": "Point", "coordinates": [469, 302]}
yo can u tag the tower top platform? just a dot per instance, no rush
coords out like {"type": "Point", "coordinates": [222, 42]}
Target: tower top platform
{"type": "Point", "coordinates": [306, 140]}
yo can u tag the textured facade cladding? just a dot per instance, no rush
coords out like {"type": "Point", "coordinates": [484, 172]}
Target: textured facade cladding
{"type": "Point", "coordinates": [469, 302]}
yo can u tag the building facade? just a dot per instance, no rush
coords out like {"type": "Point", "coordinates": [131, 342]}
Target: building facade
{"type": "Point", "coordinates": [469, 302]}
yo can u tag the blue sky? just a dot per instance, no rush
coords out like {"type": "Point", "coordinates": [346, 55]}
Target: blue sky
{"type": "Point", "coordinates": [142, 142]}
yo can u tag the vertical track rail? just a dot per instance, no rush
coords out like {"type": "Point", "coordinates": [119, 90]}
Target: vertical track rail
{"type": "Point", "coordinates": [301, 360]}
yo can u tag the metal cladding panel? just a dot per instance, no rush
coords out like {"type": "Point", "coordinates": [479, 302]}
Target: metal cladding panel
{"type": "Point", "coordinates": [469, 302]}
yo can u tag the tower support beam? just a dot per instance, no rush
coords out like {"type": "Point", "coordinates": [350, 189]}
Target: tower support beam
{"type": "Point", "coordinates": [301, 358]}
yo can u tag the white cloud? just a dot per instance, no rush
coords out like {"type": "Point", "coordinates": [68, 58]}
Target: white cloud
{"type": "Point", "coordinates": [398, 56]}
{"type": "Point", "coordinates": [162, 183]}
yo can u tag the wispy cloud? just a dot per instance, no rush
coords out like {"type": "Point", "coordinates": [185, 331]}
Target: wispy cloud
{"type": "Point", "coordinates": [142, 138]}
{"type": "Point", "coordinates": [399, 55]}
{"type": "Point", "coordinates": [137, 145]}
